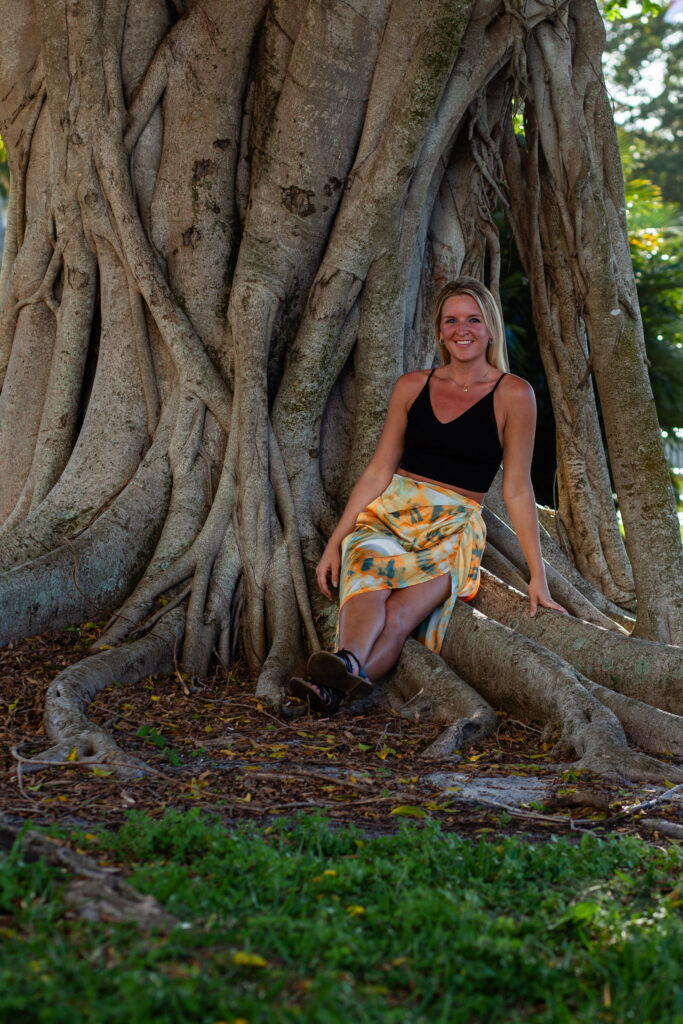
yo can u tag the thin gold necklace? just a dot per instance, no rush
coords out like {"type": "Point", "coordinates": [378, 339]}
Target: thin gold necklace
{"type": "Point", "coordinates": [466, 387]}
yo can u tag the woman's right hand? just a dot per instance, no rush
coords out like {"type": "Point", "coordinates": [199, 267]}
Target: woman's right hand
{"type": "Point", "coordinates": [329, 563]}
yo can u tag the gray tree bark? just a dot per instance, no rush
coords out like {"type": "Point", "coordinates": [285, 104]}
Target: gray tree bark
{"type": "Point", "coordinates": [227, 223]}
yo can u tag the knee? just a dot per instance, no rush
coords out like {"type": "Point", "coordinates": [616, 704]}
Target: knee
{"type": "Point", "coordinates": [398, 622]}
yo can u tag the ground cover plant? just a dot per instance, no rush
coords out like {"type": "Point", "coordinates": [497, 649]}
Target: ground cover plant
{"type": "Point", "coordinates": [304, 922]}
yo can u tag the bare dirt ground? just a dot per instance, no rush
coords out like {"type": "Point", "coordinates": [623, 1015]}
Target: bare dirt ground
{"type": "Point", "coordinates": [215, 746]}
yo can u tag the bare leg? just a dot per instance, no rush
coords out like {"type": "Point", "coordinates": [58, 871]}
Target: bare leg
{"type": "Point", "coordinates": [361, 620]}
{"type": "Point", "coordinates": [376, 630]}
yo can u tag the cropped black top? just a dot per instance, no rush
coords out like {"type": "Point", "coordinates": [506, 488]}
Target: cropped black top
{"type": "Point", "coordinates": [465, 452]}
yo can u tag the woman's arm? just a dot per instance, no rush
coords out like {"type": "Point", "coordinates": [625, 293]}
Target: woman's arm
{"type": "Point", "coordinates": [374, 478]}
{"type": "Point", "coordinates": [518, 494]}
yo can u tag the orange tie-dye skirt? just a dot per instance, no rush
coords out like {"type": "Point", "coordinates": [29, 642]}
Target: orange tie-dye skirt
{"type": "Point", "coordinates": [411, 533]}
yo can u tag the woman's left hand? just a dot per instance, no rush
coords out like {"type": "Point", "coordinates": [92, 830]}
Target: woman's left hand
{"type": "Point", "coordinates": [540, 595]}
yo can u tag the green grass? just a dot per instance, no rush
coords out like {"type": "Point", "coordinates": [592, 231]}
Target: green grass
{"type": "Point", "coordinates": [329, 926]}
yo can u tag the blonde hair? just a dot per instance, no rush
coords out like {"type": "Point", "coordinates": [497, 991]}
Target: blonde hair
{"type": "Point", "coordinates": [496, 353]}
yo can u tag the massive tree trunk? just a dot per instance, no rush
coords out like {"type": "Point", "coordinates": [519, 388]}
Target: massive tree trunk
{"type": "Point", "coordinates": [227, 223]}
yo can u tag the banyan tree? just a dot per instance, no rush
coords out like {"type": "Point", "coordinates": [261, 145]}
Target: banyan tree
{"type": "Point", "coordinates": [226, 226]}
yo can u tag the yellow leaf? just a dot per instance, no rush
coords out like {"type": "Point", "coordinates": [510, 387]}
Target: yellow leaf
{"type": "Point", "coordinates": [409, 811]}
{"type": "Point", "coordinates": [354, 910]}
{"type": "Point", "coordinates": [73, 754]}
{"type": "Point", "coordinates": [329, 871]}
{"type": "Point", "coordinates": [249, 960]}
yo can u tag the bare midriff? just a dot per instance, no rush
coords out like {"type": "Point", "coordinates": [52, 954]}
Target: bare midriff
{"type": "Point", "coordinates": [477, 496]}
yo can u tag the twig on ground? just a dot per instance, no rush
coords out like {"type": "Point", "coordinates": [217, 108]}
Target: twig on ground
{"type": "Point", "coordinates": [411, 699]}
{"type": "Point", "coordinates": [646, 805]}
{"type": "Point", "coordinates": [301, 773]}
{"type": "Point", "coordinates": [249, 707]}
{"type": "Point", "coordinates": [93, 761]}
{"type": "Point", "coordinates": [520, 812]}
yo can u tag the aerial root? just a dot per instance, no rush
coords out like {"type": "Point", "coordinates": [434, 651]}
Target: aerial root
{"type": "Point", "coordinates": [83, 579]}
{"type": "Point", "coordinates": [178, 551]}
{"type": "Point", "coordinates": [501, 566]}
{"type": "Point", "coordinates": [286, 653]}
{"type": "Point", "coordinates": [422, 686]}
{"type": "Point", "coordinates": [499, 534]}
{"type": "Point", "coordinates": [285, 502]}
{"type": "Point", "coordinates": [621, 763]}
{"type": "Point", "coordinates": [73, 689]}
{"type": "Point", "coordinates": [642, 669]}
{"type": "Point", "coordinates": [44, 292]}
{"type": "Point", "coordinates": [653, 730]}
{"type": "Point", "coordinates": [528, 680]}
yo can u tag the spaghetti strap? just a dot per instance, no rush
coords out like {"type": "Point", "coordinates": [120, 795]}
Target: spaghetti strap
{"type": "Point", "coordinates": [425, 387]}
{"type": "Point", "coordinates": [497, 383]}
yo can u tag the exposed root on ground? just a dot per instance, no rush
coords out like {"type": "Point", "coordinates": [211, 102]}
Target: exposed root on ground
{"type": "Point", "coordinates": [537, 684]}
{"type": "Point", "coordinates": [643, 669]}
{"type": "Point", "coordinates": [422, 686]}
{"type": "Point", "coordinates": [69, 694]}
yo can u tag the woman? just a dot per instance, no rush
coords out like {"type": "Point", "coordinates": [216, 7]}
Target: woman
{"type": "Point", "coordinates": [411, 537]}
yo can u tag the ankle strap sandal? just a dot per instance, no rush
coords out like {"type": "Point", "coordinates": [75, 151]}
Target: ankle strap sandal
{"type": "Point", "coordinates": [341, 671]}
{"type": "Point", "coordinates": [323, 699]}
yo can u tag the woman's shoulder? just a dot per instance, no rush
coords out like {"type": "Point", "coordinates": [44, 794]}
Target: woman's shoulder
{"type": "Point", "coordinates": [515, 387]}
{"type": "Point", "coordinates": [409, 384]}
{"type": "Point", "coordinates": [413, 377]}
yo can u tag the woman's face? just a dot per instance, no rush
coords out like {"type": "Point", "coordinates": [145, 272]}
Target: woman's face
{"type": "Point", "coordinates": [463, 328]}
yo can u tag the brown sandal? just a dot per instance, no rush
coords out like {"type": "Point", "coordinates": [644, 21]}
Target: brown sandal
{"type": "Point", "coordinates": [324, 699]}
{"type": "Point", "coordinates": [336, 671]}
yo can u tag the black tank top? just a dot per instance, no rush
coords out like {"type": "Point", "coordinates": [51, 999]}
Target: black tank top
{"type": "Point", "coordinates": [465, 452]}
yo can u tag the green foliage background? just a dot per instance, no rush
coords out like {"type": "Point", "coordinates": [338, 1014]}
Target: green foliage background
{"type": "Point", "coordinates": [650, 136]}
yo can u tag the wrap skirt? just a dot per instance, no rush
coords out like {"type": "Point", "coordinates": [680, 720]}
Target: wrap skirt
{"type": "Point", "coordinates": [413, 532]}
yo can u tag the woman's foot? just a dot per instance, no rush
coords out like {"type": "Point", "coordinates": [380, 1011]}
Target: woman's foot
{"type": "Point", "coordinates": [324, 699]}
{"type": "Point", "coordinates": [339, 671]}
